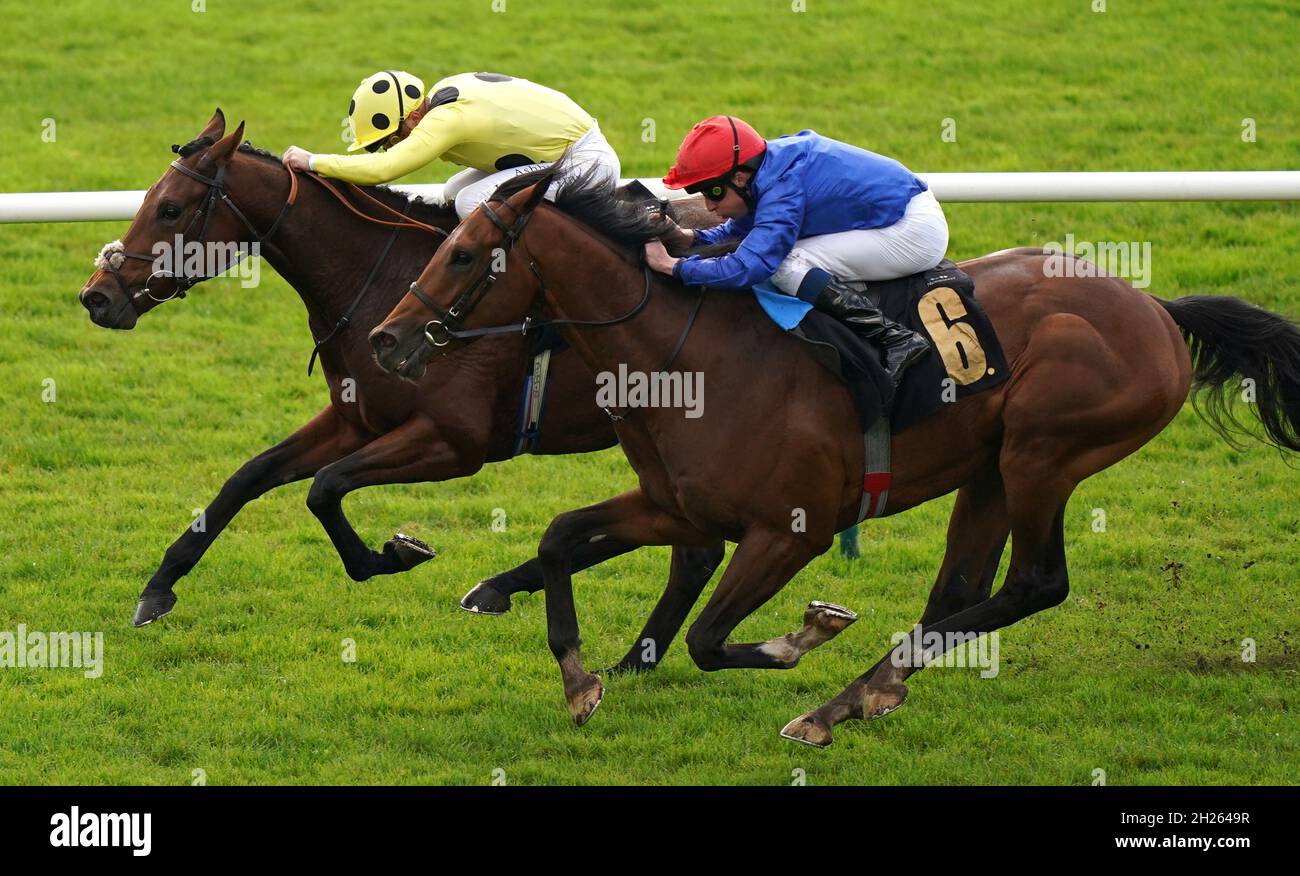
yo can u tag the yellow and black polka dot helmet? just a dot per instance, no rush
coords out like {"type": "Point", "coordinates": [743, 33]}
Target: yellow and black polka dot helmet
{"type": "Point", "coordinates": [380, 103]}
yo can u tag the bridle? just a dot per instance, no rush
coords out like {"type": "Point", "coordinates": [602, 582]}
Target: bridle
{"type": "Point", "coordinates": [217, 191]}
{"type": "Point", "coordinates": [449, 324]}
{"type": "Point", "coordinates": [216, 194]}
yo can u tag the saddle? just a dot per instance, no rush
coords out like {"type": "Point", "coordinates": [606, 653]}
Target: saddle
{"type": "Point", "coordinates": [940, 303]}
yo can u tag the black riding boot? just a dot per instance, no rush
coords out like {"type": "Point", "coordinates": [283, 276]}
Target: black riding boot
{"type": "Point", "coordinates": [900, 347]}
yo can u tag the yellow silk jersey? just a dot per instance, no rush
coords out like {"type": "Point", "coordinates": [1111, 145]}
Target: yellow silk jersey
{"type": "Point", "coordinates": [487, 121]}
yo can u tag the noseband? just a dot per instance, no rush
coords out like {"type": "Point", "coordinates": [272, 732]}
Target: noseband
{"type": "Point", "coordinates": [216, 193]}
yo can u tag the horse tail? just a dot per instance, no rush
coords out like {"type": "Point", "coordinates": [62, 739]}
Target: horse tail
{"type": "Point", "coordinates": [1231, 342]}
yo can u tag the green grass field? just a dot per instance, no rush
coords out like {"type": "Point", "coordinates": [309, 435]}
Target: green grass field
{"type": "Point", "coordinates": [1139, 673]}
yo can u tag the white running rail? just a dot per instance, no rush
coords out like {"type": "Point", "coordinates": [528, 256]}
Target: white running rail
{"type": "Point", "coordinates": [1229, 185]}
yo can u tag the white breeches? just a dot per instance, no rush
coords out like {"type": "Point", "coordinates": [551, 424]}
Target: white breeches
{"type": "Point", "coordinates": [916, 242]}
{"type": "Point", "coordinates": [471, 187]}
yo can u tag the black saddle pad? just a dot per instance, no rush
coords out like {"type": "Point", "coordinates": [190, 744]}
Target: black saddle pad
{"type": "Point", "coordinates": [940, 304]}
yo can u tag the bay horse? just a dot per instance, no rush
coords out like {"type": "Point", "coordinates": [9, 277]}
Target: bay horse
{"type": "Point", "coordinates": [1098, 368]}
{"type": "Point", "coordinates": [376, 429]}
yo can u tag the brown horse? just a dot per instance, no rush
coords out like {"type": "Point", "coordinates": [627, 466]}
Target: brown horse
{"type": "Point", "coordinates": [1097, 369]}
{"type": "Point", "coordinates": [377, 429]}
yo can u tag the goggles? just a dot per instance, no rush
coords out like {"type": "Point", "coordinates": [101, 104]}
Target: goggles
{"type": "Point", "coordinates": [712, 189]}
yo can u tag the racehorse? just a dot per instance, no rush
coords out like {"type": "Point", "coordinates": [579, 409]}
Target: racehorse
{"type": "Point", "coordinates": [348, 268]}
{"type": "Point", "coordinates": [1098, 368]}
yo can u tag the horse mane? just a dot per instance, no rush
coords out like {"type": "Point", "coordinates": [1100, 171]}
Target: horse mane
{"type": "Point", "coordinates": [198, 144]}
{"type": "Point", "coordinates": [597, 205]}
{"type": "Point", "coordinates": [414, 206]}
{"type": "Point", "coordinates": [593, 202]}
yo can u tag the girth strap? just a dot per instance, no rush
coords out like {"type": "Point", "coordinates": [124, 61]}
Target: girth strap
{"type": "Point", "coordinates": [877, 477]}
{"type": "Point", "coordinates": [534, 396]}
{"type": "Point", "coordinates": [541, 363]}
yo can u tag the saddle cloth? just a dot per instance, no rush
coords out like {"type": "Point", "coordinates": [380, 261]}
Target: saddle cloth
{"type": "Point", "coordinates": [940, 304]}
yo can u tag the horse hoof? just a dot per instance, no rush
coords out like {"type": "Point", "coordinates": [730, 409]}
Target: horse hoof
{"type": "Point", "coordinates": [832, 618]}
{"type": "Point", "coordinates": [880, 701]}
{"type": "Point", "coordinates": [583, 703]}
{"type": "Point", "coordinates": [410, 552]}
{"type": "Point", "coordinates": [485, 599]}
{"type": "Point", "coordinates": [809, 730]}
{"type": "Point", "coordinates": [153, 605]}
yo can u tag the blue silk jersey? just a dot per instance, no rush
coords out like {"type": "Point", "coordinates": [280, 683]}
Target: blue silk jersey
{"type": "Point", "coordinates": [807, 185]}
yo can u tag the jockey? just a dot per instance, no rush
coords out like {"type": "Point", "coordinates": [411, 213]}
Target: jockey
{"type": "Point", "coordinates": [495, 126]}
{"type": "Point", "coordinates": [811, 213]}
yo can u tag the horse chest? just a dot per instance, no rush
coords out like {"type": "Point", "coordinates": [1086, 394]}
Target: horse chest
{"type": "Point", "coordinates": [667, 479]}
{"type": "Point", "coordinates": [372, 403]}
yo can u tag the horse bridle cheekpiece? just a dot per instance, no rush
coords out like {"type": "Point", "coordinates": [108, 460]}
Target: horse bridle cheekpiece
{"type": "Point", "coordinates": [440, 332]}
{"type": "Point", "coordinates": [216, 190]}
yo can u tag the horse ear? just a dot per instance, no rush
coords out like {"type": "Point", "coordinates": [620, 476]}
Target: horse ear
{"type": "Point", "coordinates": [221, 150]}
{"type": "Point", "coordinates": [216, 128]}
{"type": "Point", "coordinates": [528, 199]}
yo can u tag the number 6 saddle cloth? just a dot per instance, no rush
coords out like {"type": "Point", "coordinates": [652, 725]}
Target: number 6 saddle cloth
{"type": "Point", "coordinates": [939, 304]}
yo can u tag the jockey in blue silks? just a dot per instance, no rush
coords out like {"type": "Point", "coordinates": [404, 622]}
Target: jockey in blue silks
{"type": "Point", "coordinates": [812, 214]}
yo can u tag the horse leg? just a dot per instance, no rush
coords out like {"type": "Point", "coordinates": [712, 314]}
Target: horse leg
{"type": "Point", "coordinates": [977, 536]}
{"type": "Point", "coordinates": [691, 569]}
{"type": "Point", "coordinates": [631, 519]}
{"type": "Point", "coordinates": [414, 452]}
{"type": "Point", "coordinates": [1036, 580]}
{"type": "Point", "coordinates": [1052, 440]}
{"type": "Point", "coordinates": [492, 595]}
{"type": "Point", "coordinates": [763, 563]}
{"type": "Point", "coordinates": [322, 440]}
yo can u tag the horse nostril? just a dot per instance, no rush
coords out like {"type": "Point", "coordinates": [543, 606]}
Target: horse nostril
{"type": "Point", "coordinates": [381, 341]}
{"type": "Point", "coordinates": [93, 300]}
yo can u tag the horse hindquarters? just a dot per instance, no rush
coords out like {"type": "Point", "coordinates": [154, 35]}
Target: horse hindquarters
{"type": "Point", "coordinates": [1072, 408]}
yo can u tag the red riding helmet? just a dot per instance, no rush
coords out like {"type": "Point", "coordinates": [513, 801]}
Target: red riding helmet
{"type": "Point", "coordinates": [714, 147]}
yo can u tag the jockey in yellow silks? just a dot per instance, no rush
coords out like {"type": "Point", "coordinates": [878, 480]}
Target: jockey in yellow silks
{"type": "Point", "coordinates": [496, 126]}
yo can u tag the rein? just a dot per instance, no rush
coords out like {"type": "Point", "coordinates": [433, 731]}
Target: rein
{"type": "Point", "coordinates": [347, 315]}
{"type": "Point", "coordinates": [448, 326]}
{"type": "Point", "coordinates": [404, 221]}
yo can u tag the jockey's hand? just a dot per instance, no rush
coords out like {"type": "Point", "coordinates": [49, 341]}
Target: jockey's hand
{"type": "Point", "coordinates": [658, 258]}
{"type": "Point", "coordinates": [296, 159]}
{"type": "Point", "coordinates": [677, 238]}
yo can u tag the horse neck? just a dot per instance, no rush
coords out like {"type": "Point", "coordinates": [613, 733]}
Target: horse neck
{"type": "Point", "coordinates": [321, 249]}
{"type": "Point", "coordinates": [587, 280]}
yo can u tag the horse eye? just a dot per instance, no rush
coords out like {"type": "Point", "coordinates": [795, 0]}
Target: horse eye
{"type": "Point", "coordinates": [461, 257]}
{"type": "Point", "coordinates": [170, 211]}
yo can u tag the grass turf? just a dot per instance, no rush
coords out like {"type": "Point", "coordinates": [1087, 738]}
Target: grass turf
{"type": "Point", "coordinates": [1137, 674]}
